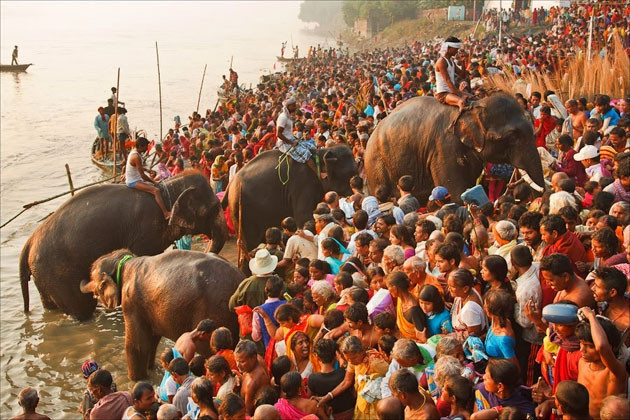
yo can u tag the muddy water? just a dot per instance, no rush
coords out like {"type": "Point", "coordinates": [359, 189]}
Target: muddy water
{"type": "Point", "coordinates": [46, 121]}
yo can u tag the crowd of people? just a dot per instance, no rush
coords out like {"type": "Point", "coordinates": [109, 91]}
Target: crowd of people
{"type": "Point", "coordinates": [384, 307]}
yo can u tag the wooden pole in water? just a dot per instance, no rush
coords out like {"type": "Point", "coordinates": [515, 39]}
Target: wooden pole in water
{"type": "Point", "coordinates": [70, 179]}
{"type": "Point", "coordinates": [201, 88]}
{"type": "Point", "coordinates": [115, 137]}
{"type": "Point", "coordinates": [157, 54]}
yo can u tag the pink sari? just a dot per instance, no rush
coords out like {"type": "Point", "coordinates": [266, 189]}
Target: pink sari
{"type": "Point", "coordinates": [287, 411]}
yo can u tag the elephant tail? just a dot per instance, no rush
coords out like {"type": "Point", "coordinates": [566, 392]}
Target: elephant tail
{"type": "Point", "coordinates": [25, 273]}
{"type": "Point", "coordinates": [225, 201]}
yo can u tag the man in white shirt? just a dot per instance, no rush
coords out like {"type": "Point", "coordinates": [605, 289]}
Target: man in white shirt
{"type": "Point", "coordinates": [300, 244]}
{"type": "Point", "coordinates": [323, 224]}
{"type": "Point", "coordinates": [528, 289]}
{"type": "Point", "coordinates": [284, 130]}
{"type": "Point", "coordinates": [589, 156]}
{"type": "Point", "coordinates": [360, 221]}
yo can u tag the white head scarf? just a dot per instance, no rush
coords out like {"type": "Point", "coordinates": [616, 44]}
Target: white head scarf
{"type": "Point", "coordinates": [446, 45]}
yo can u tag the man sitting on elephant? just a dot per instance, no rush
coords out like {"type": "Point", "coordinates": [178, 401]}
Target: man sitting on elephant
{"type": "Point", "coordinates": [445, 70]}
{"type": "Point", "coordinates": [186, 344]}
{"type": "Point", "coordinates": [300, 150]}
{"type": "Point", "coordinates": [136, 178]}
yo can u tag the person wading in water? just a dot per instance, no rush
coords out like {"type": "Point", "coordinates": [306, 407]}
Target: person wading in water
{"type": "Point", "coordinates": [136, 178]}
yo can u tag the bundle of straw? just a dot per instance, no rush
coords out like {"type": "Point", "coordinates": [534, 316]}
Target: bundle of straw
{"type": "Point", "coordinates": [582, 77]}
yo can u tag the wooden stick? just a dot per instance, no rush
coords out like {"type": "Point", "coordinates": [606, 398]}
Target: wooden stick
{"type": "Point", "coordinates": [70, 178]}
{"type": "Point", "coordinates": [240, 226]}
{"type": "Point", "coordinates": [201, 88]}
{"type": "Point", "coordinates": [157, 54]}
{"type": "Point", "coordinates": [115, 139]}
{"type": "Point", "coordinates": [34, 203]}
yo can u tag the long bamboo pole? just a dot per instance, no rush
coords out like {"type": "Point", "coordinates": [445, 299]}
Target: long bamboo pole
{"type": "Point", "coordinates": [115, 137]}
{"type": "Point", "coordinates": [70, 179]}
{"type": "Point", "coordinates": [157, 54]}
{"type": "Point", "coordinates": [201, 87]}
{"type": "Point", "coordinates": [34, 203]}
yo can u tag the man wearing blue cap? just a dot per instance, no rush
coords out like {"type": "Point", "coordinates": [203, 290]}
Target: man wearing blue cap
{"type": "Point", "coordinates": [442, 198]}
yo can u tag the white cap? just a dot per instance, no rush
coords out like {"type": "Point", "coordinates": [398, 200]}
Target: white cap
{"type": "Point", "coordinates": [587, 152]}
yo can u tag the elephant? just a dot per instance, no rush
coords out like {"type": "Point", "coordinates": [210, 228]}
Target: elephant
{"type": "Point", "coordinates": [419, 139]}
{"type": "Point", "coordinates": [265, 200]}
{"type": "Point", "coordinates": [164, 295]}
{"type": "Point", "coordinates": [103, 218]}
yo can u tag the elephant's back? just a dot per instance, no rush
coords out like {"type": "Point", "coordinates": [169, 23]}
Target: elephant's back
{"type": "Point", "coordinates": [203, 272]}
{"type": "Point", "coordinates": [184, 287]}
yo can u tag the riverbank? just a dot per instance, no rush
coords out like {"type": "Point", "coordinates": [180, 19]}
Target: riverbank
{"type": "Point", "coordinates": [425, 29]}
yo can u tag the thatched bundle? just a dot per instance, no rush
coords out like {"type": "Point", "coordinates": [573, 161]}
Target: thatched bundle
{"type": "Point", "coordinates": [582, 77]}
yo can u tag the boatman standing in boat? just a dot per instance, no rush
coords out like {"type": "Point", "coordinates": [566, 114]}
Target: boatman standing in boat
{"type": "Point", "coordinates": [14, 57]}
{"type": "Point", "coordinates": [101, 124]}
{"type": "Point", "coordinates": [136, 178]}
{"type": "Point", "coordinates": [445, 70]}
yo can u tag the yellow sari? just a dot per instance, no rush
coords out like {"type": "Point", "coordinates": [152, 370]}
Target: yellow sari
{"type": "Point", "coordinates": [371, 368]}
{"type": "Point", "coordinates": [406, 328]}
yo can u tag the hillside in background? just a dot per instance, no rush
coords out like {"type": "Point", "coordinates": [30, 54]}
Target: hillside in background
{"type": "Point", "coordinates": [326, 14]}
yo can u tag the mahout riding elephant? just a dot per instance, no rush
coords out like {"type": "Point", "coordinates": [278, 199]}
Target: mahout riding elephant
{"type": "Point", "coordinates": [103, 218]}
{"type": "Point", "coordinates": [417, 139]}
{"type": "Point", "coordinates": [164, 295]}
{"type": "Point", "coordinates": [268, 193]}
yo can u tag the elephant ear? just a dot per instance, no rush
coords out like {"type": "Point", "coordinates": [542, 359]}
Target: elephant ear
{"type": "Point", "coordinates": [330, 159]}
{"type": "Point", "coordinates": [182, 213]}
{"type": "Point", "coordinates": [470, 128]}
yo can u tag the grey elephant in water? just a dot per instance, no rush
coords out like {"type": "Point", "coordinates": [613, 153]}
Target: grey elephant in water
{"type": "Point", "coordinates": [162, 296]}
{"type": "Point", "coordinates": [103, 218]}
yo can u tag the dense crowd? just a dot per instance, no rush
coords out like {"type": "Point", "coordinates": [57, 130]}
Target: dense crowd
{"type": "Point", "coordinates": [382, 307]}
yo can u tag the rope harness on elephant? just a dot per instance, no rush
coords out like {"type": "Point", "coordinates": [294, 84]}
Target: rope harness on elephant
{"type": "Point", "coordinates": [119, 268]}
{"type": "Point", "coordinates": [282, 159]}
{"type": "Point", "coordinates": [164, 188]}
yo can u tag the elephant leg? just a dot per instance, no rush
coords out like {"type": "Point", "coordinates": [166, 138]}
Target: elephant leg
{"type": "Point", "coordinates": [154, 344]}
{"type": "Point", "coordinates": [138, 341]}
{"type": "Point", "coordinates": [69, 299]}
{"type": "Point", "coordinates": [48, 303]}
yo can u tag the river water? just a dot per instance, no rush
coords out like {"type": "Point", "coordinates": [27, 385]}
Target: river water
{"type": "Point", "coordinates": [47, 120]}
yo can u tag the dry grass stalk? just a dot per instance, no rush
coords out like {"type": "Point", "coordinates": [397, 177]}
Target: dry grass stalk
{"type": "Point", "coordinates": [582, 78]}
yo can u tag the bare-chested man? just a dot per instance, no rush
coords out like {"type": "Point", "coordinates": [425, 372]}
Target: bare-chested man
{"type": "Point", "coordinates": [557, 272]}
{"type": "Point", "coordinates": [609, 286]}
{"type": "Point", "coordinates": [187, 343]}
{"type": "Point", "coordinates": [578, 119]}
{"type": "Point", "coordinates": [28, 400]}
{"type": "Point", "coordinates": [418, 404]}
{"type": "Point", "coordinates": [598, 368]}
{"type": "Point", "coordinates": [255, 375]}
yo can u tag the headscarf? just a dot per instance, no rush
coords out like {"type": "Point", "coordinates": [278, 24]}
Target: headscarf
{"type": "Point", "coordinates": [286, 103]}
{"type": "Point", "coordinates": [446, 45]}
{"type": "Point", "coordinates": [370, 206]}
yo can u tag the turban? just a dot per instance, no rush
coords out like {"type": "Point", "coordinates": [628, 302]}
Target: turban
{"type": "Point", "coordinates": [446, 45]}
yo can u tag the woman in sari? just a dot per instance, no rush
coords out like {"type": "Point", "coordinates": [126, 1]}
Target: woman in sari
{"type": "Point", "coordinates": [366, 370]}
{"type": "Point", "coordinates": [292, 406]}
{"type": "Point", "coordinates": [333, 252]}
{"type": "Point", "coordinates": [410, 319]}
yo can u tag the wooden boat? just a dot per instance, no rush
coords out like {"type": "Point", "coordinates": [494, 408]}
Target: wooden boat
{"type": "Point", "coordinates": [106, 163]}
{"type": "Point", "coordinates": [14, 67]}
{"type": "Point", "coordinates": [289, 59]}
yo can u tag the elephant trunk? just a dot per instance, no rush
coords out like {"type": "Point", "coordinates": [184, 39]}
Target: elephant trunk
{"type": "Point", "coordinates": [219, 232]}
{"type": "Point", "coordinates": [529, 160]}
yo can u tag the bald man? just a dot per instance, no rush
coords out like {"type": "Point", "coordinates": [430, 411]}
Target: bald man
{"type": "Point", "coordinates": [266, 412]}
{"type": "Point", "coordinates": [556, 178]}
{"type": "Point", "coordinates": [390, 408]}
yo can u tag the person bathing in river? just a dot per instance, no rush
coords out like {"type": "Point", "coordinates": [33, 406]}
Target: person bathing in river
{"type": "Point", "coordinates": [445, 70]}
{"type": "Point", "coordinates": [136, 178]}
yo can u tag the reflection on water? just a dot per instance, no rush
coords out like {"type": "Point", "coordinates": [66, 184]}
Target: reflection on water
{"type": "Point", "coordinates": [47, 118]}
